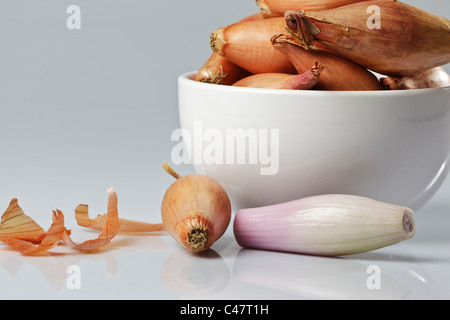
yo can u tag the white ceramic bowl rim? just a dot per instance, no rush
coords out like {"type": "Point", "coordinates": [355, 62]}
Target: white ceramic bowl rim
{"type": "Point", "coordinates": [186, 77]}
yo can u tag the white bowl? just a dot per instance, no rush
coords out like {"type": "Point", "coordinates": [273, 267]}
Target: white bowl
{"type": "Point", "coordinates": [391, 146]}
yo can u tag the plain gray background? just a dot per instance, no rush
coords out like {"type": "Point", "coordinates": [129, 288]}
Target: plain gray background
{"type": "Point", "coordinates": [84, 110]}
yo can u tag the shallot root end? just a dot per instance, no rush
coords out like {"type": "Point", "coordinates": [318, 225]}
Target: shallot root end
{"type": "Point", "coordinates": [302, 28]}
{"type": "Point", "coordinates": [408, 224]}
{"type": "Point", "coordinates": [217, 42]}
{"type": "Point", "coordinates": [197, 238]}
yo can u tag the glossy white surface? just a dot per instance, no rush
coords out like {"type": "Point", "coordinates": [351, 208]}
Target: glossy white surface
{"type": "Point", "coordinates": [386, 145]}
{"type": "Point", "coordinates": [155, 267]}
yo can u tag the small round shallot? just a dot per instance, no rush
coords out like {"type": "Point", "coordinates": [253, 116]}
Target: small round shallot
{"type": "Point", "coordinates": [195, 211]}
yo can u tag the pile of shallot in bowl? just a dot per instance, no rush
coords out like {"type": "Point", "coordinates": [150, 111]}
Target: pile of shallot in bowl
{"type": "Point", "coordinates": [331, 45]}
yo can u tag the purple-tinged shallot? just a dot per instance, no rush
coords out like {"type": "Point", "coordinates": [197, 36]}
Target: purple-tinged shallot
{"type": "Point", "coordinates": [327, 225]}
{"type": "Point", "coordinates": [303, 81]}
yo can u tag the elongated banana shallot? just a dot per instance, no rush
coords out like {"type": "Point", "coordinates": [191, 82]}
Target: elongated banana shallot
{"type": "Point", "coordinates": [248, 45]}
{"type": "Point", "coordinates": [277, 8]}
{"type": "Point", "coordinates": [340, 74]}
{"type": "Point", "coordinates": [432, 78]}
{"type": "Point", "coordinates": [327, 225]}
{"type": "Point", "coordinates": [396, 40]}
{"type": "Point", "coordinates": [303, 81]}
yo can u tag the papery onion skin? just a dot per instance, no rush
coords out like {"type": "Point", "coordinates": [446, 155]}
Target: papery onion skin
{"type": "Point", "coordinates": [248, 45]}
{"type": "Point", "coordinates": [432, 78]}
{"type": "Point", "coordinates": [408, 40]}
{"type": "Point", "coordinates": [340, 74]}
{"type": "Point", "coordinates": [110, 229]}
{"type": "Point", "coordinates": [326, 225]}
{"type": "Point", "coordinates": [15, 224]}
{"type": "Point", "coordinates": [277, 8]}
{"type": "Point", "coordinates": [196, 211]}
{"type": "Point", "coordinates": [52, 238]}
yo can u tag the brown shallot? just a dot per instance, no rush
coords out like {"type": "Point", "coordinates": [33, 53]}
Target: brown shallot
{"type": "Point", "coordinates": [303, 81]}
{"type": "Point", "coordinates": [248, 45]}
{"type": "Point", "coordinates": [195, 210]}
{"type": "Point", "coordinates": [396, 40]}
{"type": "Point", "coordinates": [218, 70]}
{"type": "Point", "coordinates": [340, 74]}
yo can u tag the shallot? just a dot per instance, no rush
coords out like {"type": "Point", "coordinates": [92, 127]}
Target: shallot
{"type": "Point", "coordinates": [396, 40]}
{"type": "Point", "coordinates": [327, 225]}
{"type": "Point", "coordinates": [340, 74]}
{"type": "Point", "coordinates": [247, 45]}
{"type": "Point", "coordinates": [303, 81]}
{"type": "Point", "coordinates": [195, 210]}
{"type": "Point", "coordinates": [218, 70]}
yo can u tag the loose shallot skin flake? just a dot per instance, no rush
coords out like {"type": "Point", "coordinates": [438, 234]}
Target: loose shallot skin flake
{"type": "Point", "coordinates": [15, 224]}
{"type": "Point", "coordinates": [51, 239]}
{"type": "Point", "coordinates": [24, 235]}
{"type": "Point", "coordinates": [110, 228]}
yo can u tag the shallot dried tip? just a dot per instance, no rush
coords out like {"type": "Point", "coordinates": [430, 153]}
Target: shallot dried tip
{"type": "Point", "coordinates": [302, 28]}
{"type": "Point", "coordinates": [170, 170]}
